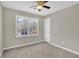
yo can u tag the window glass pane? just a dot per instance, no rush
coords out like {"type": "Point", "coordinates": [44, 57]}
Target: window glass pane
{"type": "Point", "coordinates": [26, 26]}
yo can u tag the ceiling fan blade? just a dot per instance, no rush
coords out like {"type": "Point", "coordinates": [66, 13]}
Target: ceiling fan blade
{"type": "Point", "coordinates": [45, 2]}
{"type": "Point", "coordinates": [46, 6]}
{"type": "Point", "coordinates": [41, 2]}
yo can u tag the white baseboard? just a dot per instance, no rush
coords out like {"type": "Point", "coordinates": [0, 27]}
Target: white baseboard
{"type": "Point", "coordinates": [1, 51]}
{"type": "Point", "coordinates": [23, 45]}
{"type": "Point", "coordinates": [69, 50]}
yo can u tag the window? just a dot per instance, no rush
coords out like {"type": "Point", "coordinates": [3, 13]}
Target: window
{"type": "Point", "coordinates": [26, 26]}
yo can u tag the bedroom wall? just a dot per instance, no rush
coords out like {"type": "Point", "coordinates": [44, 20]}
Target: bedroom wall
{"type": "Point", "coordinates": [65, 28]}
{"type": "Point", "coordinates": [1, 26]}
{"type": "Point", "coordinates": [9, 28]}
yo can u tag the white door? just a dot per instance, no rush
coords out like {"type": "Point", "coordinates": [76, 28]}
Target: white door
{"type": "Point", "coordinates": [47, 29]}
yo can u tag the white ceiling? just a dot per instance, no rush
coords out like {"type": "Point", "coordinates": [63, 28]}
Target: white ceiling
{"type": "Point", "coordinates": [26, 6]}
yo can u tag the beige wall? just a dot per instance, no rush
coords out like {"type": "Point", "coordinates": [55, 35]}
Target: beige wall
{"type": "Point", "coordinates": [0, 26]}
{"type": "Point", "coordinates": [65, 28]}
{"type": "Point", "coordinates": [9, 29]}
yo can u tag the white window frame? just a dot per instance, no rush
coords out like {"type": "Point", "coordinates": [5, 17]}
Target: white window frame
{"type": "Point", "coordinates": [27, 35]}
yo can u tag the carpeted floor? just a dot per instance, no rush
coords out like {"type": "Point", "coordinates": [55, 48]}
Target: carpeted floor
{"type": "Point", "coordinates": [39, 50]}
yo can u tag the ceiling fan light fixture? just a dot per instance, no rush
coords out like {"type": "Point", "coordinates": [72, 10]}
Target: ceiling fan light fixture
{"type": "Point", "coordinates": [41, 4]}
{"type": "Point", "coordinates": [39, 7]}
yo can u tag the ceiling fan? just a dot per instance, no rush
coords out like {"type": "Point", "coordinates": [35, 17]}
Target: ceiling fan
{"type": "Point", "coordinates": [41, 4]}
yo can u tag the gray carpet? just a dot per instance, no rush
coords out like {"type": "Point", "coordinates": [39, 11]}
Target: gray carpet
{"type": "Point", "coordinates": [39, 50]}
